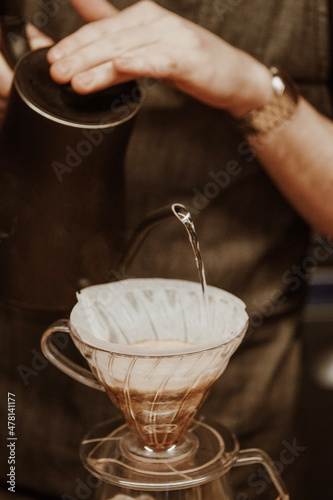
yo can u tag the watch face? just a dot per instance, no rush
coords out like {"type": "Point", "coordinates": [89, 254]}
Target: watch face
{"type": "Point", "coordinates": [278, 85]}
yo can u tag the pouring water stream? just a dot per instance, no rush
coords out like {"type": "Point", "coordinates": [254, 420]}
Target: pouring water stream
{"type": "Point", "coordinates": [141, 232]}
{"type": "Point", "coordinates": [184, 216]}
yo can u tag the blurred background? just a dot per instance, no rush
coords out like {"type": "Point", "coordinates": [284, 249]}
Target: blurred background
{"type": "Point", "coordinates": [316, 409]}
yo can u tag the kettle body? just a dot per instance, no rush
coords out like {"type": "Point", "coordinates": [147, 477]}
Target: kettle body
{"type": "Point", "coordinates": [61, 185]}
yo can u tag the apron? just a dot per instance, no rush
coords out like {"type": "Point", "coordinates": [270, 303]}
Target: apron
{"type": "Point", "coordinates": [250, 237]}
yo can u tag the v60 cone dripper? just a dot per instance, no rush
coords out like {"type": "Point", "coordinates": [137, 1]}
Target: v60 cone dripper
{"type": "Point", "coordinates": [148, 344]}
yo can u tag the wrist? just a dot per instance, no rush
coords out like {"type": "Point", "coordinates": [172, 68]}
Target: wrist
{"type": "Point", "coordinates": [274, 112]}
{"type": "Point", "coordinates": [254, 90]}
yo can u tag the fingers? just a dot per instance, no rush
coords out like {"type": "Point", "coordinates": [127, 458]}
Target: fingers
{"type": "Point", "coordinates": [80, 39]}
{"type": "Point", "coordinates": [6, 77]}
{"type": "Point", "coordinates": [86, 58]}
{"type": "Point", "coordinates": [153, 62]}
{"type": "Point", "coordinates": [140, 62]}
{"type": "Point", "coordinates": [37, 39]}
{"type": "Point", "coordinates": [140, 14]}
{"type": "Point", "coordinates": [100, 51]}
{"type": "Point", "coordinates": [98, 78]}
{"type": "Point", "coordinates": [92, 11]}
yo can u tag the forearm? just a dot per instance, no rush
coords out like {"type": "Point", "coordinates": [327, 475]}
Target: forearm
{"type": "Point", "coordinates": [298, 156]}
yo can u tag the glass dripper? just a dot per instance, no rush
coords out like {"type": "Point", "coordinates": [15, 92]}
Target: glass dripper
{"type": "Point", "coordinates": [149, 347]}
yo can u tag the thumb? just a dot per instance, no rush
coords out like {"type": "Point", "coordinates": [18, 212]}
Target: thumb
{"type": "Point", "coordinates": [93, 11]}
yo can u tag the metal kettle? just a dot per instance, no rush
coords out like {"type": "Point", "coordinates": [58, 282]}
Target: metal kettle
{"type": "Point", "coordinates": [61, 178]}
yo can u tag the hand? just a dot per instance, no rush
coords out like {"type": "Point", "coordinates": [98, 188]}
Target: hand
{"type": "Point", "coordinates": [36, 40]}
{"type": "Point", "coordinates": [5, 84]}
{"type": "Point", "coordinates": [147, 40]}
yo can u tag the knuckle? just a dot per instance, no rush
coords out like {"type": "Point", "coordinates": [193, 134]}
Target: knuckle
{"type": "Point", "coordinates": [168, 66]}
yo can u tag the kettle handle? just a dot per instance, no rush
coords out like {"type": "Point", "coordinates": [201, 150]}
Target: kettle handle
{"type": "Point", "coordinates": [52, 352]}
{"type": "Point", "coordinates": [256, 456]}
{"type": "Point", "coordinates": [14, 41]}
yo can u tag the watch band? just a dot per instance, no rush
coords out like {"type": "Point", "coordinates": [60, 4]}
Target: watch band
{"type": "Point", "coordinates": [280, 109]}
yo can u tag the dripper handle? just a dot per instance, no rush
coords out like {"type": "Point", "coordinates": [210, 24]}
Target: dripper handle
{"type": "Point", "coordinates": [53, 353]}
{"type": "Point", "coordinates": [256, 456]}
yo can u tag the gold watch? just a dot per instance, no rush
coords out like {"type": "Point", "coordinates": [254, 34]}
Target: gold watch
{"type": "Point", "coordinates": [276, 112]}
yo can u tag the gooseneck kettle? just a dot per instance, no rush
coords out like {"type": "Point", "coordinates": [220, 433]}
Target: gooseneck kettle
{"type": "Point", "coordinates": [62, 189]}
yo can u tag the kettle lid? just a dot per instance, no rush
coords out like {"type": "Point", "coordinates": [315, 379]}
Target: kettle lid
{"type": "Point", "coordinates": [60, 103]}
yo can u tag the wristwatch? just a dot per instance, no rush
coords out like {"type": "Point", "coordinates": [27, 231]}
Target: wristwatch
{"type": "Point", "coordinates": [276, 112]}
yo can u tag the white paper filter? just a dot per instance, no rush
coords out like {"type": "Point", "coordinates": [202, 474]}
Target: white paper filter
{"type": "Point", "coordinates": [117, 315]}
{"type": "Point", "coordinates": [168, 317]}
